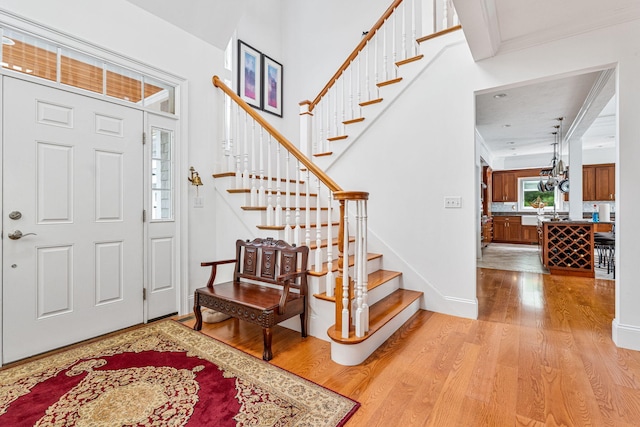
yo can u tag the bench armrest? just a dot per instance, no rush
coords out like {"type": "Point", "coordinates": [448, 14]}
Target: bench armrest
{"type": "Point", "coordinates": [214, 268]}
{"type": "Point", "coordinates": [284, 280]}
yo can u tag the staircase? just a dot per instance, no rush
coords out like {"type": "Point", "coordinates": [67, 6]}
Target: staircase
{"type": "Point", "coordinates": [354, 302]}
{"type": "Point", "coordinates": [390, 305]}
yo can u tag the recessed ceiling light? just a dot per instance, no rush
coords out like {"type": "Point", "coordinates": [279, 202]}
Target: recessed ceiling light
{"type": "Point", "coordinates": [511, 142]}
{"type": "Point", "coordinates": [513, 148]}
{"type": "Point", "coordinates": [7, 41]}
{"type": "Point", "coordinates": [500, 95]}
{"type": "Point", "coordinates": [506, 126]}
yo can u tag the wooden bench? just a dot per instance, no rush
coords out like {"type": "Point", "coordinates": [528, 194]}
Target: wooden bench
{"type": "Point", "coordinates": [269, 286]}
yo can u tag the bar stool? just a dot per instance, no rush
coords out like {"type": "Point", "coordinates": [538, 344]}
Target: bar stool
{"type": "Point", "coordinates": [605, 245]}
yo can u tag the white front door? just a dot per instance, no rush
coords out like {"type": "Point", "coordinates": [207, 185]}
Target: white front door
{"type": "Point", "coordinates": [73, 176]}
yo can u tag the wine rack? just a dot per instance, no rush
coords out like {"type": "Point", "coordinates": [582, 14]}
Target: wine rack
{"type": "Point", "coordinates": [568, 248]}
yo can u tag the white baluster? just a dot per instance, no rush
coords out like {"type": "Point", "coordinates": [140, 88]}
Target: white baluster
{"type": "Point", "coordinates": [261, 189]}
{"type": "Point", "coordinates": [345, 274]}
{"type": "Point", "coordinates": [307, 204]}
{"type": "Point", "coordinates": [329, 130]}
{"type": "Point", "coordinates": [445, 14]}
{"type": "Point", "coordinates": [344, 113]}
{"type": "Point", "coordinates": [287, 190]}
{"type": "Point", "coordinates": [270, 209]}
{"type": "Point", "coordinates": [315, 129]}
{"type": "Point", "coordinates": [394, 48]}
{"type": "Point", "coordinates": [318, 229]}
{"type": "Point", "coordinates": [403, 11]}
{"type": "Point", "coordinates": [238, 171]}
{"type": "Point", "coordinates": [359, 86]}
{"type": "Point", "coordinates": [278, 210]}
{"type": "Point", "coordinates": [353, 114]}
{"type": "Point", "coordinates": [254, 172]}
{"type": "Point", "coordinates": [376, 77]}
{"type": "Point", "coordinates": [297, 228]}
{"type": "Point", "coordinates": [357, 272]}
{"type": "Point", "coordinates": [366, 71]}
{"type": "Point", "coordinates": [245, 175]}
{"type": "Point", "coordinates": [335, 109]}
{"type": "Point", "coordinates": [365, 276]}
{"type": "Point", "coordinates": [330, 278]}
{"type": "Point", "coordinates": [385, 56]}
{"type": "Point", "coordinates": [414, 36]}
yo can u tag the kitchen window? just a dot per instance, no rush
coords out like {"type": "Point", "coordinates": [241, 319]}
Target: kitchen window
{"type": "Point", "coordinates": [529, 193]}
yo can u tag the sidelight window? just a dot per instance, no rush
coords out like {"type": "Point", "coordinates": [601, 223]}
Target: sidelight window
{"type": "Point", "coordinates": [161, 174]}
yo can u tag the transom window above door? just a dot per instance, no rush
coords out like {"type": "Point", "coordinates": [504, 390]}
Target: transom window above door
{"type": "Point", "coordinates": [38, 57]}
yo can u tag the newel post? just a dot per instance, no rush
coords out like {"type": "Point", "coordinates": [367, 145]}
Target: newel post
{"type": "Point", "coordinates": [305, 128]}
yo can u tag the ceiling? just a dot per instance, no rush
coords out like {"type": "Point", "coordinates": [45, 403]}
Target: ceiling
{"type": "Point", "coordinates": [586, 101]}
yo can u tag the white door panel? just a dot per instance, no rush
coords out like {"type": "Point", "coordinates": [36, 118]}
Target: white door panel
{"type": "Point", "coordinates": [73, 167]}
{"type": "Point", "coordinates": [162, 242]}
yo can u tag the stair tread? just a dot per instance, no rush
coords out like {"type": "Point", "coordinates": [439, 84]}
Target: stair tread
{"type": "Point", "coordinates": [323, 243]}
{"type": "Point", "coordinates": [328, 153]}
{"type": "Point", "coordinates": [380, 314]}
{"type": "Point", "coordinates": [409, 60]}
{"type": "Point", "coordinates": [233, 174]}
{"type": "Point", "coordinates": [324, 271]}
{"type": "Point", "coordinates": [374, 280]}
{"type": "Point", "coordinates": [264, 208]}
{"type": "Point", "coordinates": [371, 101]}
{"type": "Point", "coordinates": [282, 193]}
{"type": "Point", "coordinates": [351, 121]}
{"type": "Point", "coordinates": [337, 138]}
{"type": "Point", "coordinates": [281, 227]}
{"type": "Point", "coordinates": [389, 82]}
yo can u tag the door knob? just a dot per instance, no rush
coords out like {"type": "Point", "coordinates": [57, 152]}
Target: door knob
{"type": "Point", "coordinates": [18, 235]}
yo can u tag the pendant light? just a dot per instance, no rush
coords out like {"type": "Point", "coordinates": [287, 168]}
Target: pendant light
{"type": "Point", "coordinates": [561, 170]}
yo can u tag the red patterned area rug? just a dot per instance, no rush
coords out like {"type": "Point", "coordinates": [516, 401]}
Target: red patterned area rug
{"type": "Point", "coordinates": [163, 374]}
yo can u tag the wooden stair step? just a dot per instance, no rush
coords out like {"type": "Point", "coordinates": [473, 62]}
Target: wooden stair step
{"type": "Point", "coordinates": [328, 153]}
{"type": "Point", "coordinates": [374, 280]}
{"type": "Point", "coordinates": [389, 82]}
{"type": "Point", "coordinates": [233, 174]}
{"type": "Point", "coordinates": [380, 314]}
{"type": "Point", "coordinates": [274, 192]}
{"type": "Point", "coordinates": [370, 102]}
{"type": "Point", "coordinates": [409, 60]}
{"type": "Point", "coordinates": [302, 226]}
{"type": "Point", "coordinates": [439, 33]}
{"type": "Point", "coordinates": [337, 138]}
{"type": "Point", "coordinates": [264, 208]}
{"type": "Point", "coordinates": [323, 243]}
{"type": "Point", "coordinates": [324, 271]}
{"type": "Point", "coordinates": [351, 121]}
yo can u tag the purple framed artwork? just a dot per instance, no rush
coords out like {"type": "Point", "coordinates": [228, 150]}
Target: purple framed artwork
{"type": "Point", "coordinates": [271, 86]}
{"type": "Point", "coordinates": [249, 75]}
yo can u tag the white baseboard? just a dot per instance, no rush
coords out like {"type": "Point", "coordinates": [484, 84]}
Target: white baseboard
{"type": "Point", "coordinates": [625, 336]}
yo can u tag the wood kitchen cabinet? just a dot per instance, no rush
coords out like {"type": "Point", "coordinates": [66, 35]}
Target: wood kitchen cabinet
{"type": "Point", "coordinates": [529, 234]}
{"type": "Point", "coordinates": [505, 187]}
{"type": "Point", "coordinates": [599, 182]}
{"type": "Point", "coordinates": [506, 229]}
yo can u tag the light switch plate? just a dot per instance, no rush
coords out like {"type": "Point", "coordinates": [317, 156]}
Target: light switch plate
{"type": "Point", "coordinates": [453, 202]}
{"type": "Point", "coordinates": [198, 202]}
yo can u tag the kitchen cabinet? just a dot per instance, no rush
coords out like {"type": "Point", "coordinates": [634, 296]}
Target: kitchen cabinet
{"type": "Point", "coordinates": [505, 187]}
{"type": "Point", "coordinates": [529, 234]}
{"type": "Point", "coordinates": [605, 182]}
{"type": "Point", "coordinates": [506, 229]}
{"type": "Point", "coordinates": [598, 182]}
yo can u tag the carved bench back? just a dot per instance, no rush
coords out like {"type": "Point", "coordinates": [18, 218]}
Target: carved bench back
{"type": "Point", "coordinates": [264, 260]}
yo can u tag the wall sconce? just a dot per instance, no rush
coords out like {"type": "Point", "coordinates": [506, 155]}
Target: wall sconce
{"type": "Point", "coordinates": [195, 179]}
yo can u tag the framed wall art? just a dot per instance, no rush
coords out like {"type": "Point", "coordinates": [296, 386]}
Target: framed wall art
{"type": "Point", "coordinates": [249, 75]}
{"type": "Point", "coordinates": [272, 86]}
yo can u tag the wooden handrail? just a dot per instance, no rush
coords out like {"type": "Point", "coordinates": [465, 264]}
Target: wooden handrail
{"type": "Point", "coordinates": [355, 52]}
{"type": "Point", "coordinates": [278, 136]}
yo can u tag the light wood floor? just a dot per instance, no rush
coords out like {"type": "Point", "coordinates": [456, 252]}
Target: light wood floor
{"type": "Point", "coordinates": [540, 354]}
